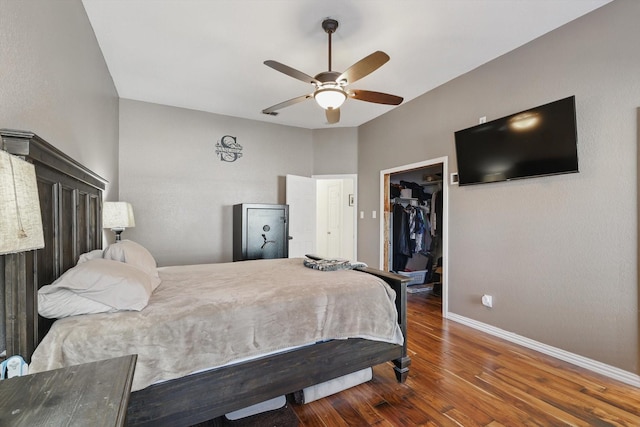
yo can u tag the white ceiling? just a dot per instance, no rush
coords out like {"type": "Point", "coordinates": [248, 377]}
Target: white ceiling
{"type": "Point", "coordinates": [208, 54]}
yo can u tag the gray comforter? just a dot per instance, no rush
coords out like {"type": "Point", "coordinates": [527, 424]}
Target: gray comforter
{"type": "Point", "coordinates": [203, 316]}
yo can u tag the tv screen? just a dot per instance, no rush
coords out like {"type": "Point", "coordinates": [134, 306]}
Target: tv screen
{"type": "Point", "coordinates": [536, 142]}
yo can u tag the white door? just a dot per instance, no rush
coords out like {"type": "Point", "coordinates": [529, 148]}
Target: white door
{"type": "Point", "coordinates": [334, 220]}
{"type": "Point", "coordinates": [329, 222]}
{"type": "Point", "coordinates": [301, 198]}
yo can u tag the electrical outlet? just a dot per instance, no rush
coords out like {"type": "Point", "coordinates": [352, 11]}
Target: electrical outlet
{"type": "Point", "coordinates": [487, 301]}
{"type": "Point", "coordinates": [482, 120]}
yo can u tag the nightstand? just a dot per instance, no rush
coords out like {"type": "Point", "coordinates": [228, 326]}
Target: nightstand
{"type": "Point", "coordinates": [93, 394]}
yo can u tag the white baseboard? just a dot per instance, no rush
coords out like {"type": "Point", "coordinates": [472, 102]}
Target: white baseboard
{"type": "Point", "coordinates": [575, 359]}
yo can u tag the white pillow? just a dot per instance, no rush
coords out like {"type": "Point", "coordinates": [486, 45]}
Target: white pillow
{"type": "Point", "coordinates": [116, 285]}
{"type": "Point", "coordinates": [97, 253]}
{"type": "Point", "coordinates": [65, 303]}
{"type": "Point", "coordinates": [132, 253]}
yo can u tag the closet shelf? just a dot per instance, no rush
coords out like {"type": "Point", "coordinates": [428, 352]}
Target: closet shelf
{"type": "Point", "coordinates": [413, 201]}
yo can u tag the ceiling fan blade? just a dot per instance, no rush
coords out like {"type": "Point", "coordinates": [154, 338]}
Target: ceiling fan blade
{"type": "Point", "coordinates": [365, 66]}
{"type": "Point", "coordinates": [284, 104]}
{"type": "Point", "coordinates": [333, 115]}
{"type": "Point", "coordinates": [377, 97]}
{"type": "Point", "coordinates": [292, 72]}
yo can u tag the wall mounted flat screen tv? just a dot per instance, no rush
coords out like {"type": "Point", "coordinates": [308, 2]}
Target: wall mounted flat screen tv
{"type": "Point", "coordinates": [536, 142]}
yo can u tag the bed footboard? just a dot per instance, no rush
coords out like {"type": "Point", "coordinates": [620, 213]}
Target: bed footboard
{"type": "Point", "coordinates": [399, 284]}
{"type": "Point", "coordinates": [206, 395]}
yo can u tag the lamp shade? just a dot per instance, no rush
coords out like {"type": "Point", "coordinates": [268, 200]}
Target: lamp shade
{"type": "Point", "coordinates": [117, 215]}
{"type": "Point", "coordinates": [20, 216]}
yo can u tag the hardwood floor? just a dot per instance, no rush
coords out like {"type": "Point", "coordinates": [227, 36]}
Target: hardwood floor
{"type": "Point", "coordinates": [463, 377]}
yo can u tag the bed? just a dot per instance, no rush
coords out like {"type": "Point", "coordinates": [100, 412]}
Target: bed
{"type": "Point", "coordinates": [195, 397]}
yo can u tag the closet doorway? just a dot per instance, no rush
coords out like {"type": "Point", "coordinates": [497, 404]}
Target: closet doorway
{"type": "Point", "coordinates": [429, 178]}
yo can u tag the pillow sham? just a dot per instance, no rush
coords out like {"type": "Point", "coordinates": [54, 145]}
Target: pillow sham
{"type": "Point", "coordinates": [64, 303]}
{"type": "Point", "coordinates": [116, 285]}
{"type": "Point", "coordinates": [132, 253]}
{"type": "Point", "coordinates": [96, 253]}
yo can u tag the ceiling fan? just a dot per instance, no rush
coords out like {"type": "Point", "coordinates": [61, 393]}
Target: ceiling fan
{"type": "Point", "coordinates": [331, 86]}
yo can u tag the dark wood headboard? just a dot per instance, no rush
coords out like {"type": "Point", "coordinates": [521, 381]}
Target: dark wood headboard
{"type": "Point", "coordinates": [71, 204]}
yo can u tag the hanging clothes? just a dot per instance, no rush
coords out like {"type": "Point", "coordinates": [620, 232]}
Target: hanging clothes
{"type": "Point", "coordinates": [436, 213]}
{"type": "Point", "coordinates": [436, 225]}
{"type": "Point", "coordinates": [423, 235]}
{"type": "Point", "coordinates": [418, 230]}
{"type": "Point", "coordinates": [401, 237]}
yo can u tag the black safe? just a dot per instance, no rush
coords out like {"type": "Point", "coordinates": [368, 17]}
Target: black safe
{"type": "Point", "coordinates": [260, 231]}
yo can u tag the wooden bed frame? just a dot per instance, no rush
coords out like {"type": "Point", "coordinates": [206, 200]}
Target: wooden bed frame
{"type": "Point", "coordinates": [71, 202]}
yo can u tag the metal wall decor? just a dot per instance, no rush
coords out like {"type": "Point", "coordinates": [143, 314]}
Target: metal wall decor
{"type": "Point", "coordinates": [228, 149]}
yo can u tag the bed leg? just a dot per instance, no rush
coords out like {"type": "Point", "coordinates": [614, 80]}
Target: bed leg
{"type": "Point", "coordinates": [401, 368]}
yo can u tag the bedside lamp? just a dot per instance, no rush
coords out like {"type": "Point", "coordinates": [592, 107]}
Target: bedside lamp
{"type": "Point", "coordinates": [117, 216]}
{"type": "Point", "coordinates": [20, 217]}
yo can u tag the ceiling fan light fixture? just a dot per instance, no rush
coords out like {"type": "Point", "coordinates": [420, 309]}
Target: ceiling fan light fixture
{"type": "Point", "coordinates": [330, 87]}
{"type": "Point", "coordinates": [330, 97]}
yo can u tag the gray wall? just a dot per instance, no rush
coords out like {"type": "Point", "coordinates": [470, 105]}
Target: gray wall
{"type": "Point", "coordinates": [335, 151]}
{"type": "Point", "coordinates": [557, 253]}
{"type": "Point", "coordinates": [54, 82]}
{"type": "Point", "coordinates": [182, 194]}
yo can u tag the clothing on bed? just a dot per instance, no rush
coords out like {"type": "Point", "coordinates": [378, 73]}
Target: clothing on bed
{"type": "Point", "coordinates": [204, 316]}
{"type": "Point", "coordinates": [332, 264]}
